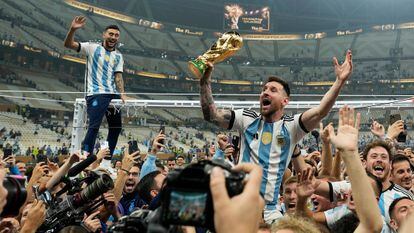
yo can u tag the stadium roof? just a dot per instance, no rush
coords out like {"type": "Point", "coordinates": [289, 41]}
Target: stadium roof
{"type": "Point", "coordinates": [293, 16]}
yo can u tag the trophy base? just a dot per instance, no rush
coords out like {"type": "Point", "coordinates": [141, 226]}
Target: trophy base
{"type": "Point", "coordinates": [197, 67]}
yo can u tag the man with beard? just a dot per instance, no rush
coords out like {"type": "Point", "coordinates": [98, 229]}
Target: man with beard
{"type": "Point", "coordinates": [130, 199]}
{"type": "Point", "coordinates": [104, 69]}
{"type": "Point", "coordinates": [269, 138]}
{"type": "Point", "coordinates": [377, 161]}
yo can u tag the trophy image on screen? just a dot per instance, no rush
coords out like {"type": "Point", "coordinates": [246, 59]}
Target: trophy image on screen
{"type": "Point", "coordinates": [224, 47]}
{"type": "Point", "coordinates": [233, 13]}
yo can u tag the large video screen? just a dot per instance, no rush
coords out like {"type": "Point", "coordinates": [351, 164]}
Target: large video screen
{"type": "Point", "coordinates": [246, 17]}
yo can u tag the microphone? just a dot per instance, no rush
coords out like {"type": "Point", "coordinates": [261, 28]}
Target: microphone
{"type": "Point", "coordinates": [81, 166]}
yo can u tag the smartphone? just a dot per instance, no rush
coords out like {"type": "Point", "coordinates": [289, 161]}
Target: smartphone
{"type": "Point", "coordinates": [235, 141]}
{"type": "Point", "coordinates": [7, 153]}
{"type": "Point", "coordinates": [104, 145]}
{"type": "Point", "coordinates": [132, 146]}
{"type": "Point", "coordinates": [162, 130]}
{"type": "Point", "coordinates": [402, 137]}
{"type": "Point", "coordinates": [42, 159]}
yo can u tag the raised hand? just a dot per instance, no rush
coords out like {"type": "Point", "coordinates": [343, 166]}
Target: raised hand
{"type": "Point", "coordinates": [129, 159]}
{"type": "Point", "coordinates": [75, 157]}
{"type": "Point", "coordinates": [306, 186]}
{"type": "Point", "coordinates": [377, 129]}
{"type": "Point", "coordinates": [395, 129]}
{"type": "Point", "coordinates": [228, 152]}
{"type": "Point", "coordinates": [344, 71]}
{"type": "Point", "coordinates": [78, 22]}
{"type": "Point", "coordinates": [156, 144]}
{"type": "Point", "coordinates": [35, 217]}
{"type": "Point", "coordinates": [207, 74]}
{"type": "Point", "coordinates": [102, 153]}
{"type": "Point", "coordinates": [91, 223]}
{"type": "Point", "coordinates": [211, 150]}
{"type": "Point", "coordinates": [347, 136]}
{"type": "Point", "coordinates": [222, 141]}
{"type": "Point", "coordinates": [245, 209]}
{"type": "Point", "coordinates": [324, 132]}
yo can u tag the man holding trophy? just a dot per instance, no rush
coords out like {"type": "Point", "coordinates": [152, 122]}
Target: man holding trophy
{"type": "Point", "coordinates": [268, 138]}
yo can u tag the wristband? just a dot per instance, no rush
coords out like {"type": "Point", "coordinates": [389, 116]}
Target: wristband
{"type": "Point", "coordinates": [127, 172]}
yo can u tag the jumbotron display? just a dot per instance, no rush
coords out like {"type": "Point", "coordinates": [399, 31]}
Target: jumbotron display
{"type": "Point", "coordinates": [246, 17]}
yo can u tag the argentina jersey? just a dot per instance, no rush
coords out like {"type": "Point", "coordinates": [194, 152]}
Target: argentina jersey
{"type": "Point", "coordinates": [388, 196]}
{"type": "Point", "coordinates": [101, 65]}
{"type": "Point", "coordinates": [269, 145]}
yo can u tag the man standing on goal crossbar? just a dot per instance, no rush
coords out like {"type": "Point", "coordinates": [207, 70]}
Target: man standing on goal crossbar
{"type": "Point", "coordinates": [104, 67]}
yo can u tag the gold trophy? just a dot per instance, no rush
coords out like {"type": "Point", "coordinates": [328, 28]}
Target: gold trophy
{"type": "Point", "coordinates": [224, 47]}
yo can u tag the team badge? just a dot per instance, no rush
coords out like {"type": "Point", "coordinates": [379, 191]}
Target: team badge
{"type": "Point", "coordinates": [280, 140]}
{"type": "Point", "coordinates": [266, 138]}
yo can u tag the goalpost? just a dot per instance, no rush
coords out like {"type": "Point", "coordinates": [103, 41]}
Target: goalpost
{"type": "Point", "coordinates": [79, 114]}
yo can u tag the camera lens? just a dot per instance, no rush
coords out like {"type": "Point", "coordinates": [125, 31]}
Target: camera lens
{"type": "Point", "coordinates": [92, 191]}
{"type": "Point", "coordinates": [16, 195]}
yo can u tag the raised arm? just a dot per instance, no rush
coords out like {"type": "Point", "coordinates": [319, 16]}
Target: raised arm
{"type": "Point", "coordinates": [61, 172]}
{"type": "Point", "coordinates": [78, 22]}
{"type": "Point", "coordinates": [313, 116]}
{"type": "Point", "coordinates": [363, 194]}
{"type": "Point", "coordinates": [305, 188]}
{"type": "Point", "coordinates": [220, 117]}
{"type": "Point", "coordinates": [298, 161]}
{"type": "Point", "coordinates": [326, 157]}
{"type": "Point", "coordinates": [123, 173]}
{"type": "Point", "coordinates": [336, 167]}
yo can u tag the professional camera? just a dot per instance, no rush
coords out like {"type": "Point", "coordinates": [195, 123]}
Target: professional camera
{"type": "Point", "coordinates": [137, 221]}
{"type": "Point", "coordinates": [16, 195]}
{"type": "Point", "coordinates": [186, 198]}
{"type": "Point", "coordinates": [69, 210]}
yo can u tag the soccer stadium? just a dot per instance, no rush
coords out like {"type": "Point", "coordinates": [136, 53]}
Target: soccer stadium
{"type": "Point", "coordinates": [313, 98]}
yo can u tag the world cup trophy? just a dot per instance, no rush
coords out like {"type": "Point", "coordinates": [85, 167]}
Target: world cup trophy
{"type": "Point", "coordinates": [228, 44]}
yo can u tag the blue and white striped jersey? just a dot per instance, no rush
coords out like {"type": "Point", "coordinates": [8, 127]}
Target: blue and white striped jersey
{"type": "Point", "coordinates": [268, 144]}
{"type": "Point", "coordinates": [101, 66]}
{"type": "Point", "coordinates": [388, 196]}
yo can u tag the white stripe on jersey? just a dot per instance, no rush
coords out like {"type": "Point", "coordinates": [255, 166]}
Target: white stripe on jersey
{"type": "Point", "coordinates": [387, 197]}
{"type": "Point", "coordinates": [269, 145]}
{"type": "Point", "coordinates": [101, 68]}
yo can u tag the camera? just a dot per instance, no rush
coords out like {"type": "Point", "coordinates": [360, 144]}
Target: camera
{"type": "Point", "coordinates": [69, 210]}
{"type": "Point", "coordinates": [137, 221]}
{"type": "Point", "coordinates": [186, 198]}
{"type": "Point", "coordinates": [16, 195]}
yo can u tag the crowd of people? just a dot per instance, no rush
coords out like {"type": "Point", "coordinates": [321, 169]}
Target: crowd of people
{"type": "Point", "coordinates": [337, 189]}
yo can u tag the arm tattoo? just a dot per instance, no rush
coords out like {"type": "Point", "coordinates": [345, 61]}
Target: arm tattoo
{"type": "Point", "coordinates": [119, 83]}
{"type": "Point", "coordinates": [219, 117]}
